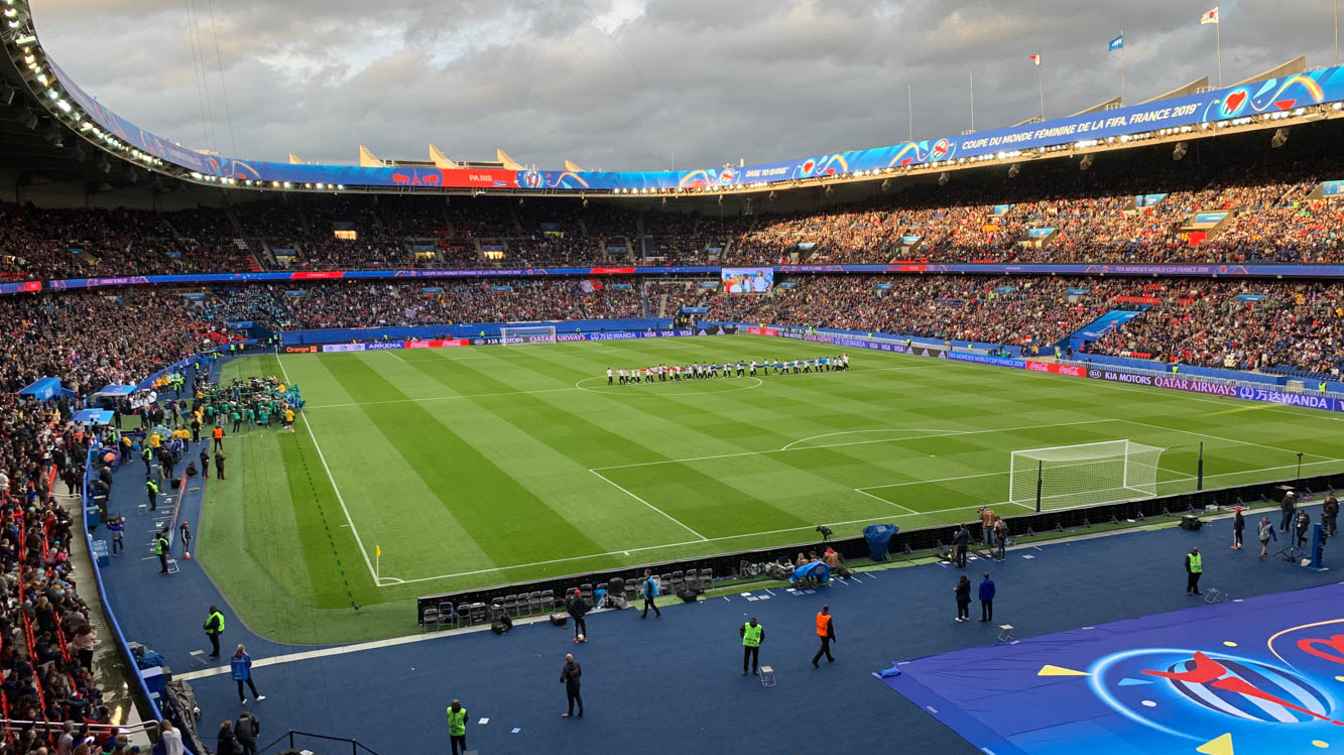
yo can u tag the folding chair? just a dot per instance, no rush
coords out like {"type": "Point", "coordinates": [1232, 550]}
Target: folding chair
{"type": "Point", "coordinates": [430, 618]}
{"type": "Point", "coordinates": [447, 616]}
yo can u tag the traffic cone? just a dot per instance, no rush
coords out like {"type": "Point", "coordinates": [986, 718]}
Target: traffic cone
{"type": "Point", "coordinates": [186, 555]}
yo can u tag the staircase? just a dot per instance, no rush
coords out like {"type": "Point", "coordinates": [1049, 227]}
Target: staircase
{"type": "Point", "coordinates": [1095, 330]}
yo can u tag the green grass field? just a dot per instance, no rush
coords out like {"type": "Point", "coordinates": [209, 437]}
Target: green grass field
{"type": "Point", "coordinates": [484, 466]}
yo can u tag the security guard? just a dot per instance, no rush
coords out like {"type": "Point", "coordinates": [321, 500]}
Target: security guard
{"type": "Point", "coordinates": [826, 634]}
{"type": "Point", "coordinates": [753, 634]}
{"type": "Point", "coordinates": [1194, 567]}
{"type": "Point", "coordinates": [152, 490]}
{"type": "Point", "coordinates": [161, 550]}
{"type": "Point", "coordinates": [214, 627]}
{"type": "Point", "coordinates": [457, 727]}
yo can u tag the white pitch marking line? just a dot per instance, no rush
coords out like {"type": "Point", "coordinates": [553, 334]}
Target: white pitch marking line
{"type": "Point", "coordinates": [893, 504]}
{"type": "Point", "coordinates": [456, 397]}
{"type": "Point", "coordinates": [671, 518]}
{"type": "Point", "coordinates": [308, 425]}
{"type": "Point", "coordinates": [877, 430]}
{"type": "Point", "coordinates": [940, 434]}
{"type": "Point", "coordinates": [552, 561]}
{"type": "Point", "coordinates": [1234, 441]}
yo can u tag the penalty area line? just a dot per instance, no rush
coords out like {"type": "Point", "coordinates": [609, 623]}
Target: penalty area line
{"type": "Point", "coordinates": [669, 517]}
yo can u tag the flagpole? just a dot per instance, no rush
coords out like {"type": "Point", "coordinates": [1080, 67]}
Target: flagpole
{"type": "Point", "coordinates": [1040, 82]}
{"type": "Point", "coordinates": [972, 75]}
{"type": "Point", "coordinates": [910, 112]}
{"type": "Point", "coordinates": [1122, 66]}
{"type": "Point", "coordinates": [1218, 37]}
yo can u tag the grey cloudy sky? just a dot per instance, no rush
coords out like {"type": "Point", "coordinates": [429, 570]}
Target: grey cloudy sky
{"type": "Point", "coordinates": [640, 84]}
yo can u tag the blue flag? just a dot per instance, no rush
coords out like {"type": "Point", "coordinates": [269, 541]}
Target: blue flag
{"type": "Point", "coordinates": [1116, 44]}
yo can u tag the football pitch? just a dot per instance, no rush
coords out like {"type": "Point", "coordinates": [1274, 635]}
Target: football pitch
{"type": "Point", "coordinates": [425, 471]}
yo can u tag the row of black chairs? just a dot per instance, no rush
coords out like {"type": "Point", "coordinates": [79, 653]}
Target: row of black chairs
{"type": "Point", "coordinates": [446, 615]}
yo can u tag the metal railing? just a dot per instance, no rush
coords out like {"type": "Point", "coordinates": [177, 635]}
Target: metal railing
{"type": "Point", "coordinates": [292, 740]}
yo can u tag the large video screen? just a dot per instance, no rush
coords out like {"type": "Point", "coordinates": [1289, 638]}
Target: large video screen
{"type": "Point", "coordinates": [747, 280]}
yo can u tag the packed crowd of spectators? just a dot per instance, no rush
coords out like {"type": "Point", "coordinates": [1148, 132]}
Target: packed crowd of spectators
{"type": "Point", "coordinates": [382, 304]}
{"type": "Point", "coordinates": [1016, 311]}
{"type": "Point", "coordinates": [1273, 215]}
{"type": "Point", "coordinates": [1294, 328]}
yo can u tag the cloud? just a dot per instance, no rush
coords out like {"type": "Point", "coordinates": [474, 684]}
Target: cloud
{"type": "Point", "coordinates": [631, 83]}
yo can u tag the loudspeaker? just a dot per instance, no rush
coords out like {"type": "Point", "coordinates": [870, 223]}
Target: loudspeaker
{"type": "Point", "coordinates": [501, 625]}
{"type": "Point", "coordinates": [688, 595]}
{"type": "Point", "coordinates": [559, 619]}
{"type": "Point", "coordinates": [1191, 522]}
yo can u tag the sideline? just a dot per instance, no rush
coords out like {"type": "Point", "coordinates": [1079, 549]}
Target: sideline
{"type": "Point", "coordinates": [279, 660]}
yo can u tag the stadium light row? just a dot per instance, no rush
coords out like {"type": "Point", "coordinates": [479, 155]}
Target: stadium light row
{"type": "Point", "coordinates": [45, 87]}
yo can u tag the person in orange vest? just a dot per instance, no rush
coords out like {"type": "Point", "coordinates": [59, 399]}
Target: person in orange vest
{"type": "Point", "coordinates": [218, 435]}
{"type": "Point", "coordinates": [826, 634]}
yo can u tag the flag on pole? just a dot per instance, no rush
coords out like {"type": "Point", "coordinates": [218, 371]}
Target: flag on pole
{"type": "Point", "coordinates": [377, 551]}
{"type": "Point", "coordinates": [1116, 44]}
{"type": "Point", "coordinates": [1210, 16]}
{"type": "Point", "coordinates": [1035, 58]}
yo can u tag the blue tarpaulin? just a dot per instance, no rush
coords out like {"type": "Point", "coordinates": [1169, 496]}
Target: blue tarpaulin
{"type": "Point", "coordinates": [817, 570]}
{"type": "Point", "coordinates": [93, 417]}
{"type": "Point", "coordinates": [113, 390]}
{"type": "Point", "coordinates": [45, 389]}
{"type": "Point", "coordinates": [879, 539]}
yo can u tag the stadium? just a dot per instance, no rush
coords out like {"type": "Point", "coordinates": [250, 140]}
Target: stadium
{"type": "Point", "coordinates": [296, 454]}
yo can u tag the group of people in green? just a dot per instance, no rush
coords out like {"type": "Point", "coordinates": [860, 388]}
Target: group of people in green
{"type": "Point", "coordinates": [251, 402]}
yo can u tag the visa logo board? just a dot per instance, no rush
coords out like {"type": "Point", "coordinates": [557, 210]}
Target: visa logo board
{"type": "Point", "coordinates": [1149, 200]}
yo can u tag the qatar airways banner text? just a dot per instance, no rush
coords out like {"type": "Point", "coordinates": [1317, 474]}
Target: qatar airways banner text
{"type": "Point", "coordinates": [1217, 388]}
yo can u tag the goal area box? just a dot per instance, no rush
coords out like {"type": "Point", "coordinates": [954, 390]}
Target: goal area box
{"type": "Point", "coordinates": [521, 335]}
{"type": "Point", "coordinates": [1083, 474]}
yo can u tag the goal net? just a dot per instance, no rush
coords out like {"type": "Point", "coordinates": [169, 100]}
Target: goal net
{"type": "Point", "coordinates": [525, 334]}
{"type": "Point", "coordinates": [1084, 474]}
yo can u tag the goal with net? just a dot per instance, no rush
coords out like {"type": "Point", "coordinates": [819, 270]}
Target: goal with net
{"type": "Point", "coordinates": [1083, 474]}
{"type": "Point", "coordinates": [516, 335]}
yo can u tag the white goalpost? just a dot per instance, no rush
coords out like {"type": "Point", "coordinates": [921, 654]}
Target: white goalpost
{"type": "Point", "coordinates": [1083, 474]}
{"type": "Point", "coordinates": [517, 335]}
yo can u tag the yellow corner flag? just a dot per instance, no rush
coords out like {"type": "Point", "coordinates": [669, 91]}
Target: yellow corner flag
{"type": "Point", "coordinates": [377, 552]}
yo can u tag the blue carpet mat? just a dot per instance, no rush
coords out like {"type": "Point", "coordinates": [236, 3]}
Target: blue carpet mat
{"type": "Point", "coordinates": [1255, 676]}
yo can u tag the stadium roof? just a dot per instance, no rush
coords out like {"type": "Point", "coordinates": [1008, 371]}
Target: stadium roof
{"type": "Point", "coordinates": [57, 113]}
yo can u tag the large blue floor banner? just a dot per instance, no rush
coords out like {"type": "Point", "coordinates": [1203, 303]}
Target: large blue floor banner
{"type": "Point", "coordinates": [1265, 675]}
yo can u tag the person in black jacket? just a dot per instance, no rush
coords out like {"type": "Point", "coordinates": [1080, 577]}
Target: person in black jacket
{"type": "Point", "coordinates": [962, 539]}
{"type": "Point", "coordinates": [1330, 513]}
{"type": "Point", "coordinates": [227, 743]}
{"type": "Point", "coordinates": [246, 730]}
{"type": "Point", "coordinates": [963, 593]}
{"type": "Point", "coordinates": [571, 674]}
{"type": "Point", "coordinates": [1238, 530]}
{"type": "Point", "coordinates": [578, 608]}
{"type": "Point", "coordinates": [1288, 510]}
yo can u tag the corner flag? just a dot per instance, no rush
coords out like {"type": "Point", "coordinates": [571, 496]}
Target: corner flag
{"type": "Point", "coordinates": [1116, 44]}
{"type": "Point", "coordinates": [377, 551]}
{"type": "Point", "coordinates": [1210, 16]}
{"type": "Point", "coordinates": [1035, 58]}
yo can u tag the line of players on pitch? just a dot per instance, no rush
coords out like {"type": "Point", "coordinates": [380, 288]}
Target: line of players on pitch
{"type": "Point", "coordinates": [664, 372]}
